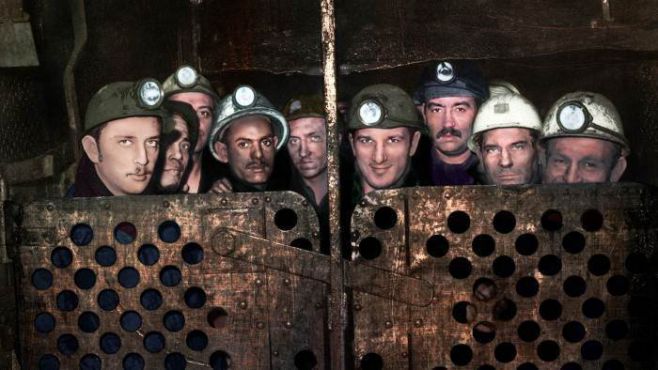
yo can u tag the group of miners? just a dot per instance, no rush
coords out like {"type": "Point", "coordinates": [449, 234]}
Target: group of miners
{"type": "Point", "coordinates": [150, 138]}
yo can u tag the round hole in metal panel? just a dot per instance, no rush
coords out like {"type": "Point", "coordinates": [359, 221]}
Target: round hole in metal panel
{"type": "Point", "coordinates": [618, 285]}
{"type": "Point", "coordinates": [88, 322]}
{"type": "Point", "coordinates": [195, 297]}
{"type": "Point", "coordinates": [550, 309]}
{"type": "Point", "coordinates": [305, 360]}
{"type": "Point", "coordinates": [128, 277]}
{"type": "Point", "coordinates": [483, 245]}
{"type": "Point", "coordinates": [131, 321]}
{"type": "Point", "coordinates": [591, 350]}
{"type": "Point", "coordinates": [170, 276]}
{"type": "Point", "coordinates": [61, 257]}
{"type": "Point", "coordinates": [105, 256]}
{"type": "Point", "coordinates": [504, 222]}
{"type": "Point", "coordinates": [641, 351]}
{"type": "Point", "coordinates": [574, 286]}
{"type": "Point", "coordinates": [593, 308]}
{"type": "Point", "coordinates": [125, 233]}
{"type": "Point", "coordinates": [571, 366]}
{"type": "Point", "coordinates": [528, 331]}
{"type": "Point", "coordinates": [44, 323]}
{"type": "Point", "coordinates": [174, 321]}
{"type": "Point", "coordinates": [49, 362]}
{"type": "Point", "coordinates": [67, 344]}
{"type": "Point", "coordinates": [108, 299]}
{"type": "Point", "coordinates": [133, 361]}
{"type": "Point", "coordinates": [385, 218]}
{"type": "Point", "coordinates": [527, 366]}
{"type": "Point", "coordinates": [459, 222]}
{"type": "Point", "coordinates": [85, 278]}
{"type": "Point", "coordinates": [285, 219]}
{"type": "Point", "coordinates": [527, 287]}
{"type": "Point", "coordinates": [504, 310]}
{"type": "Point", "coordinates": [503, 266]}
{"type": "Point", "coordinates": [196, 340]}
{"type": "Point", "coordinates": [613, 364]}
{"type": "Point", "coordinates": [148, 254]}
{"type": "Point", "coordinates": [616, 329]}
{"type": "Point", "coordinates": [592, 220]}
{"type": "Point", "coordinates": [574, 242]}
{"type": "Point", "coordinates": [526, 244]}
{"type": "Point", "coordinates": [42, 279]}
{"type": "Point", "coordinates": [192, 253]}
{"type": "Point", "coordinates": [464, 312]}
{"type": "Point", "coordinates": [81, 234]}
{"type": "Point", "coordinates": [637, 263]}
{"type": "Point", "coordinates": [169, 231]}
{"type": "Point", "coordinates": [175, 361]}
{"type": "Point", "coordinates": [460, 268]}
{"type": "Point", "coordinates": [217, 318]}
{"type": "Point", "coordinates": [573, 332]}
{"type": "Point", "coordinates": [437, 246]}
{"type": "Point", "coordinates": [548, 350]}
{"type": "Point", "coordinates": [461, 354]}
{"type": "Point", "coordinates": [484, 289]}
{"type": "Point", "coordinates": [67, 300]}
{"type": "Point", "coordinates": [370, 248]}
{"type": "Point", "coordinates": [90, 362]}
{"type": "Point", "coordinates": [151, 299]}
{"type": "Point", "coordinates": [302, 243]}
{"type": "Point", "coordinates": [484, 332]}
{"type": "Point", "coordinates": [110, 343]}
{"type": "Point", "coordinates": [549, 265]}
{"type": "Point", "coordinates": [505, 352]}
{"type": "Point", "coordinates": [598, 264]}
{"type": "Point", "coordinates": [551, 220]}
{"type": "Point", "coordinates": [220, 360]}
{"type": "Point", "coordinates": [154, 342]}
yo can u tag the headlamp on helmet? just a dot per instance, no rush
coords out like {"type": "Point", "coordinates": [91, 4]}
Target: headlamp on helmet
{"type": "Point", "coordinates": [573, 116]}
{"type": "Point", "coordinates": [445, 72]}
{"type": "Point", "coordinates": [244, 96]}
{"type": "Point", "coordinates": [149, 93]}
{"type": "Point", "coordinates": [371, 112]}
{"type": "Point", "coordinates": [186, 77]}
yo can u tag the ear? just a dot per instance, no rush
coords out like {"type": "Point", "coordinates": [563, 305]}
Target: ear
{"type": "Point", "coordinates": [222, 151]}
{"type": "Point", "coordinates": [351, 140]}
{"type": "Point", "coordinates": [618, 169]}
{"type": "Point", "coordinates": [415, 139]}
{"type": "Point", "coordinates": [90, 146]}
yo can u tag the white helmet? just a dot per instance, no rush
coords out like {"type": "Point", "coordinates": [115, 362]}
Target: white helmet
{"type": "Point", "coordinates": [497, 87]}
{"type": "Point", "coordinates": [504, 111]}
{"type": "Point", "coordinates": [585, 114]}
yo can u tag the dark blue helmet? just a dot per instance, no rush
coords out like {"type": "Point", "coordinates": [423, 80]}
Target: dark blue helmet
{"type": "Point", "coordinates": [452, 78]}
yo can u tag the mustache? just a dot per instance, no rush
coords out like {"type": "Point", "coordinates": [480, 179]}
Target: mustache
{"type": "Point", "coordinates": [448, 131]}
{"type": "Point", "coordinates": [256, 164]}
{"type": "Point", "coordinates": [139, 171]}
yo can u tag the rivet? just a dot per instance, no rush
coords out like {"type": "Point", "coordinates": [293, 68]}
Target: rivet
{"type": "Point", "coordinates": [355, 235]}
{"type": "Point", "coordinates": [315, 235]}
{"type": "Point", "coordinates": [50, 207]}
{"type": "Point", "coordinates": [242, 305]}
{"type": "Point", "coordinates": [362, 203]}
{"type": "Point", "coordinates": [285, 310]}
{"type": "Point", "coordinates": [223, 201]}
{"type": "Point", "coordinates": [305, 203]}
{"type": "Point", "coordinates": [268, 199]}
{"type": "Point", "coordinates": [357, 307]}
{"type": "Point", "coordinates": [418, 323]}
{"type": "Point", "coordinates": [405, 354]}
{"type": "Point", "coordinates": [106, 205]}
{"type": "Point", "coordinates": [447, 195]}
{"type": "Point", "coordinates": [259, 282]}
{"type": "Point", "coordinates": [286, 281]}
{"type": "Point", "coordinates": [166, 204]}
{"type": "Point", "coordinates": [260, 325]}
{"type": "Point", "coordinates": [288, 324]}
{"type": "Point", "coordinates": [275, 353]}
{"type": "Point", "coordinates": [254, 201]}
{"type": "Point", "coordinates": [388, 323]}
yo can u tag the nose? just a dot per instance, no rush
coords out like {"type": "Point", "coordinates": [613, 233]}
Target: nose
{"type": "Point", "coordinates": [573, 175]}
{"type": "Point", "coordinates": [176, 153]}
{"type": "Point", "coordinates": [505, 159]}
{"type": "Point", "coordinates": [257, 152]}
{"type": "Point", "coordinates": [141, 157]}
{"type": "Point", "coordinates": [449, 119]}
{"type": "Point", "coordinates": [379, 154]}
{"type": "Point", "coordinates": [303, 148]}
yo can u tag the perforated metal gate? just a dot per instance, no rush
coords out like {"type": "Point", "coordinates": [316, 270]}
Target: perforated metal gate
{"type": "Point", "coordinates": [546, 277]}
{"type": "Point", "coordinates": [172, 282]}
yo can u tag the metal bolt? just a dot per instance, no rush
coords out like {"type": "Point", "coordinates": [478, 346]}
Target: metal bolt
{"type": "Point", "coordinates": [260, 325]}
{"type": "Point", "coordinates": [268, 199]}
{"type": "Point", "coordinates": [286, 281]}
{"type": "Point", "coordinates": [259, 282]}
{"type": "Point", "coordinates": [405, 354]}
{"type": "Point", "coordinates": [288, 324]}
{"type": "Point", "coordinates": [242, 305]}
{"type": "Point", "coordinates": [447, 195]}
{"type": "Point", "coordinates": [357, 307]}
{"type": "Point", "coordinates": [254, 201]}
{"type": "Point", "coordinates": [106, 205]}
{"type": "Point", "coordinates": [388, 323]}
{"type": "Point", "coordinates": [285, 310]}
{"type": "Point", "coordinates": [223, 201]}
{"type": "Point", "coordinates": [166, 204]}
{"type": "Point", "coordinates": [362, 203]}
{"type": "Point", "coordinates": [418, 323]}
{"type": "Point", "coordinates": [275, 353]}
{"type": "Point", "coordinates": [304, 203]}
{"type": "Point", "coordinates": [315, 235]}
{"type": "Point", "coordinates": [50, 207]}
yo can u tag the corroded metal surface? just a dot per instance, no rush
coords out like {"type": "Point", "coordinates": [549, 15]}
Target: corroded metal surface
{"type": "Point", "coordinates": [546, 276]}
{"type": "Point", "coordinates": [263, 316]}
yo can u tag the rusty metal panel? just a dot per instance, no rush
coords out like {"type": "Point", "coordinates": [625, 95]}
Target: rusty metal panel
{"type": "Point", "coordinates": [152, 284]}
{"type": "Point", "coordinates": [523, 278]}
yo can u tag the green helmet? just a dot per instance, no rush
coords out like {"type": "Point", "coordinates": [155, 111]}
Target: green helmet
{"type": "Point", "coordinates": [304, 106]}
{"type": "Point", "coordinates": [124, 99]}
{"type": "Point", "coordinates": [383, 106]}
{"type": "Point", "coordinates": [187, 79]}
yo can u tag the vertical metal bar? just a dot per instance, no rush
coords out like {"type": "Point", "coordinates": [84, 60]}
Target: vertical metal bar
{"type": "Point", "coordinates": [605, 5]}
{"type": "Point", "coordinates": [337, 298]}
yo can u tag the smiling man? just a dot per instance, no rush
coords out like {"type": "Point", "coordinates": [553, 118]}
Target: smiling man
{"type": "Point", "coordinates": [121, 141]}
{"type": "Point", "coordinates": [505, 139]}
{"type": "Point", "coordinates": [246, 135]}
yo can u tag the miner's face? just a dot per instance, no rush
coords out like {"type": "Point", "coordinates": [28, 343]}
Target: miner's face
{"type": "Point", "coordinates": [203, 105]}
{"type": "Point", "coordinates": [509, 156]}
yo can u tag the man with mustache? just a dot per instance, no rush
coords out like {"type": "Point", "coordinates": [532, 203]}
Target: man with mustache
{"type": "Point", "coordinates": [450, 93]}
{"type": "Point", "coordinates": [121, 142]}
{"type": "Point", "coordinates": [505, 139]}
{"type": "Point", "coordinates": [246, 135]}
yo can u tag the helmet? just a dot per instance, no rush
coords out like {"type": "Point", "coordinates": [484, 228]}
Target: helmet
{"type": "Point", "coordinates": [124, 99]}
{"type": "Point", "coordinates": [243, 102]}
{"type": "Point", "coordinates": [504, 111]}
{"type": "Point", "coordinates": [501, 87]}
{"type": "Point", "coordinates": [383, 106]}
{"type": "Point", "coordinates": [187, 79]}
{"type": "Point", "coordinates": [452, 78]}
{"type": "Point", "coordinates": [304, 106]}
{"type": "Point", "coordinates": [585, 114]}
{"type": "Point", "coordinates": [189, 116]}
